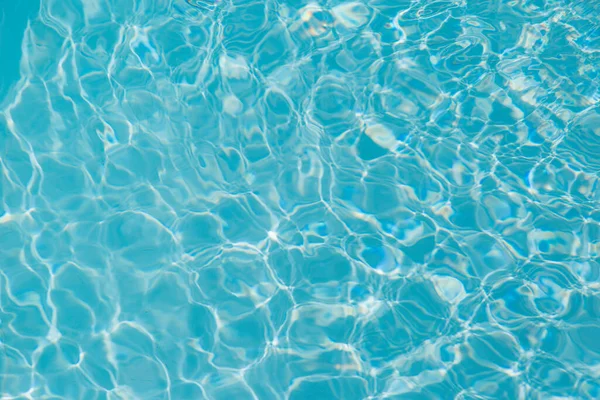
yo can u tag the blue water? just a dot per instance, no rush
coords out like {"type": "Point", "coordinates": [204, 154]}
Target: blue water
{"type": "Point", "coordinates": [299, 200]}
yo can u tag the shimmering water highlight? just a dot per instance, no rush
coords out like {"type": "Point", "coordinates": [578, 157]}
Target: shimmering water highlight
{"type": "Point", "coordinates": [300, 200]}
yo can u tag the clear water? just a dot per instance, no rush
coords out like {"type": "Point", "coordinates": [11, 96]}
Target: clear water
{"type": "Point", "coordinates": [292, 200]}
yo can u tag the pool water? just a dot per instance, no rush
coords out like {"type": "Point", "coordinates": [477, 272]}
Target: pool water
{"type": "Point", "coordinates": [299, 200]}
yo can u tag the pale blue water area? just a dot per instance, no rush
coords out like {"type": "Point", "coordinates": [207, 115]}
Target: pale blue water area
{"type": "Point", "coordinates": [299, 200]}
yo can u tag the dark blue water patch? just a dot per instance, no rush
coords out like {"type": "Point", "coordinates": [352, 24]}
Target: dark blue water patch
{"type": "Point", "coordinates": [368, 149]}
{"type": "Point", "coordinates": [359, 293]}
{"type": "Point", "coordinates": [14, 16]}
{"type": "Point", "coordinates": [374, 256]}
{"type": "Point", "coordinates": [421, 250]}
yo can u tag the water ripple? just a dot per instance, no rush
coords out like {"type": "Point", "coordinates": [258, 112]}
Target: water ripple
{"type": "Point", "coordinates": [265, 200]}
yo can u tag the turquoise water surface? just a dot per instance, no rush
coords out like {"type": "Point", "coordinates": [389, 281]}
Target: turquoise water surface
{"type": "Point", "coordinates": [276, 199]}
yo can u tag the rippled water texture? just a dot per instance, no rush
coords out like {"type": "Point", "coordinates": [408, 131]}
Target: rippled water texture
{"type": "Point", "coordinates": [292, 200]}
